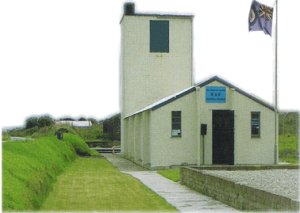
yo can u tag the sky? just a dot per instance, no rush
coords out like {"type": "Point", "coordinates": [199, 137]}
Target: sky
{"type": "Point", "coordinates": [61, 57]}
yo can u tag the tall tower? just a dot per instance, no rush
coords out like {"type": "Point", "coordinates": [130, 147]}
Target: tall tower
{"type": "Point", "coordinates": [156, 58]}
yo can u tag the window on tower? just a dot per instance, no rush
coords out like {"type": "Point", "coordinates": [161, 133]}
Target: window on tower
{"type": "Point", "coordinates": [159, 36]}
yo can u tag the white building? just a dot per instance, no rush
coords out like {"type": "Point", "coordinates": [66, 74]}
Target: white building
{"type": "Point", "coordinates": [163, 112]}
{"type": "Point", "coordinates": [79, 124]}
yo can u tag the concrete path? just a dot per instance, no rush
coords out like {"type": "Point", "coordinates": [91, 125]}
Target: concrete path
{"type": "Point", "coordinates": [122, 164]}
{"type": "Point", "coordinates": [180, 196]}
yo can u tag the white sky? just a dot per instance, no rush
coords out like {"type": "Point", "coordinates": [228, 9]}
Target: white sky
{"type": "Point", "coordinates": [62, 56]}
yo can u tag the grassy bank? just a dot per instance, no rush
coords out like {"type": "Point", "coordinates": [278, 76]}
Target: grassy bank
{"type": "Point", "coordinates": [30, 168]}
{"type": "Point", "coordinates": [79, 145]}
{"type": "Point", "coordinates": [93, 184]}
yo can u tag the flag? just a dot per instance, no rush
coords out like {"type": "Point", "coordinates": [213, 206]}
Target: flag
{"type": "Point", "coordinates": [260, 18]}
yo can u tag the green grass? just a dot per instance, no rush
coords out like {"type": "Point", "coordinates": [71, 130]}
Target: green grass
{"type": "Point", "coordinates": [91, 133]}
{"type": "Point", "coordinates": [72, 136]}
{"type": "Point", "coordinates": [51, 130]}
{"type": "Point", "coordinates": [5, 136]}
{"type": "Point", "coordinates": [288, 149]}
{"type": "Point", "coordinates": [172, 174]}
{"type": "Point", "coordinates": [37, 132]}
{"type": "Point", "coordinates": [93, 184]}
{"type": "Point", "coordinates": [22, 132]}
{"type": "Point", "coordinates": [78, 143]}
{"type": "Point", "coordinates": [29, 169]}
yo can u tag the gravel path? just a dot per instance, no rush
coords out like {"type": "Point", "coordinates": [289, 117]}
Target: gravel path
{"type": "Point", "coordinates": [284, 182]}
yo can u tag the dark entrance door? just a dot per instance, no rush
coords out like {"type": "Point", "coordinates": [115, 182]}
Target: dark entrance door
{"type": "Point", "coordinates": [223, 137]}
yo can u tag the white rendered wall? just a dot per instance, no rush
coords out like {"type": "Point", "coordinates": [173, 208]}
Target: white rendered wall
{"type": "Point", "coordinates": [253, 150]}
{"type": "Point", "coordinates": [148, 77]}
{"type": "Point", "coordinates": [167, 150]}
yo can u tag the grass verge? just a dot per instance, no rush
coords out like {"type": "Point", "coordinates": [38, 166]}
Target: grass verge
{"type": "Point", "coordinates": [172, 174]}
{"type": "Point", "coordinates": [288, 149]}
{"type": "Point", "coordinates": [93, 184]}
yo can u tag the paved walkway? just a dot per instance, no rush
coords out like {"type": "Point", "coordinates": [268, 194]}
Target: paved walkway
{"type": "Point", "coordinates": [181, 197]}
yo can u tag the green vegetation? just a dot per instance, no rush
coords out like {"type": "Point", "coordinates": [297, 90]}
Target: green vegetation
{"type": "Point", "coordinates": [39, 121]}
{"type": "Point", "coordinates": [51, 130]}
{"type": "Point", "coordinates": [5, 136]}
{"type": "Point", "coordinates": [288, 137]}
{"type": "Point", "coordinates": [93, 184]}
{"type": "Point", "coordinates": [22, 132]}
{"type": "Point", "coordinates": [91, 133]}
{"type": "Point", "coordinates": [29, 169]}
{"type": "Point", "coordinates": [39, 126]}
{"type": "Point", "coordinates": [36, 132]}
{"type": "Point", "coordinates": [78, 143]}
{"type": "Point", "coordinates": [172, 174]}
{"type": "Point", "coordinates": [288, 123]}
{"type": "Point", "coordinates": [288, 149]}
{"type": "Point", "coordinates": [112, 127]}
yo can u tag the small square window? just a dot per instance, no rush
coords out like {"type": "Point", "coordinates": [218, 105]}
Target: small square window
{"type": "Point", "coordinates": [159, 36]}
{"type": "Point", "coordinates": [176, 124]}
{"type": "Point", "coordinates": [255, 124]}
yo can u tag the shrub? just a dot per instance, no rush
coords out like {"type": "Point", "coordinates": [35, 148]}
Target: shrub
{"type": "Point", "coordinates": [31, 122]}
{"type": "Point", "coordinates": [45, 120]}
{"type": "Point", "coordinates": [111, 127]}
{"type": "Point", "coordinates": [38, 121]}
{"type": "Point", "coordinates": [67, 119]}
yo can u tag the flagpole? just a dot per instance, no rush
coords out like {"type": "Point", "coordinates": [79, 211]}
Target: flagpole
{"type": "Point", "coordinates": [276, 85]}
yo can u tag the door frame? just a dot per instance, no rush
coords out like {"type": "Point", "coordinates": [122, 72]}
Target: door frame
{"type": "Point", "coordinates": [232, 160]}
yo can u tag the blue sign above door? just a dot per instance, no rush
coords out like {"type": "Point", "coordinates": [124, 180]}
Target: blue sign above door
{"type": "Point", "coordinates": [215, 94]}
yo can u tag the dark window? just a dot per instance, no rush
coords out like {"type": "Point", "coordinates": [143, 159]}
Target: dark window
{"type": "Point", "coordinates": [255, 124]}
{"type": "Point", "coordinates": [176, 124]}
{"type": "Point", "coordinates": [159, 36]}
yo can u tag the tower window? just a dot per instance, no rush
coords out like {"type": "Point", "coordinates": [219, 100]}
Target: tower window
{"type": "Point", "coordinates": [255, 124]}
{"type": "Point", "coordinates": [159, 36]}
{"type": "Point", "coordinates": [176, 124]}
